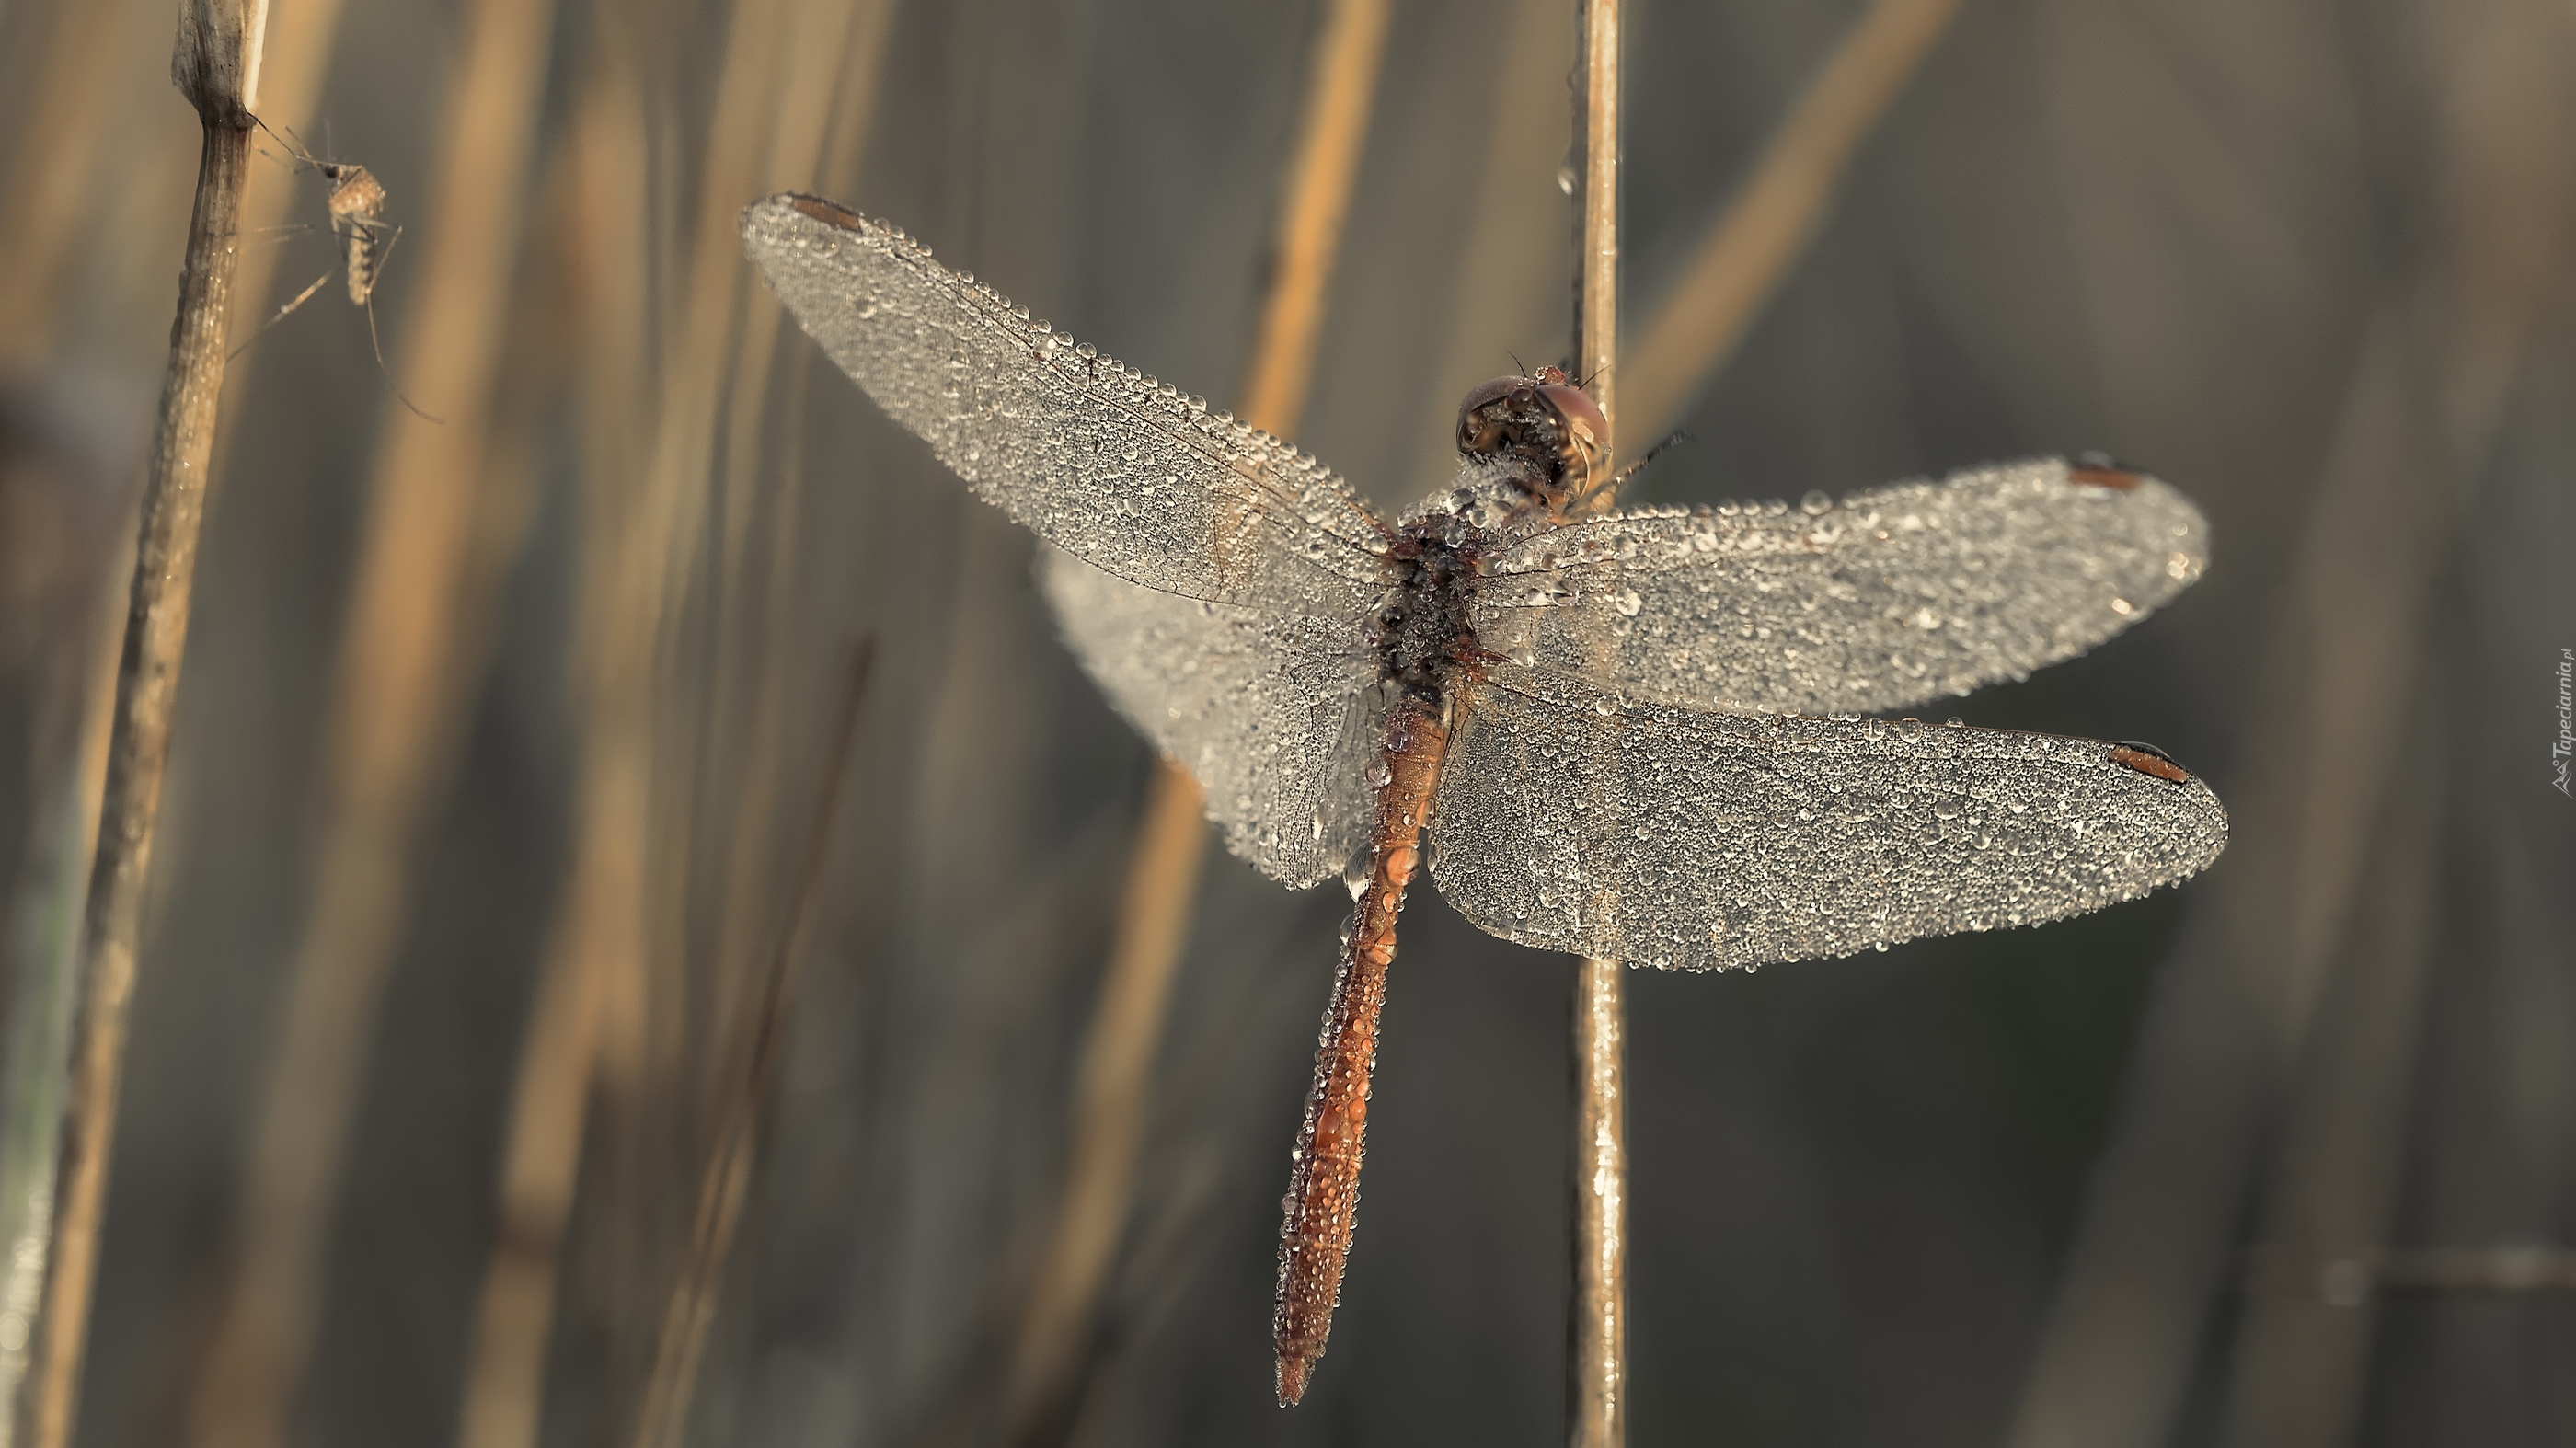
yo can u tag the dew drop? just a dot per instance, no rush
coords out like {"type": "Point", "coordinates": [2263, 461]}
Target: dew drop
{"type": "Point", "coordinates": [1816, 504]}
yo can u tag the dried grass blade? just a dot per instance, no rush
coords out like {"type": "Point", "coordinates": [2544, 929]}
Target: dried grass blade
{"type": "Point", "coordinates": [747, 1090]}
{"type": "Point", "coordinates": [43, 216]}
{"type": "Point", "coordinates": [1154, 914]}
{"type": "Point", "coordinates": [1596, 1399]}
{"type": "Point", "coordinates": [216, 66]}
{"type": "Point", "coordinates": [1750, 247]}
{"type": "Point", "coordinates": [598, 930]}
{"type": "Point", "coordinates": [397, 706]}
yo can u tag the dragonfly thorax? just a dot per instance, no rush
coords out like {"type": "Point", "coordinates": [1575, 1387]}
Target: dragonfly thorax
{"type": "Point", "coordinates": [1527, 445]}
{"type": "Point", "coordinates": [1420, 628]}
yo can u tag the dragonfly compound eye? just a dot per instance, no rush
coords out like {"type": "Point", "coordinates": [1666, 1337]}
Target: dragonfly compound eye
{"type": "Point", "coordinates": [1485, 418]}
{"type": "Point", "coordinates": [1581, 429]}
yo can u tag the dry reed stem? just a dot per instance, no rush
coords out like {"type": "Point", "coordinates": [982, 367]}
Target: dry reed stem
{"type": "Point", "coordinates": [45, 959]}
{"type": "Point", "coordinates": [397, 704]}
{"type": "Point", "coordinates": [2301, 1356]}
{"type": "Point", "coordinates": [1740, 263]}
{"type": "Point", "coordinates": [745, 1100]}
{"type": "Point", "coordinates": [62, 134]}
{"type": "Point", "coordinates": [1750, 247]}
{"type": "Point", "coordinates": [2122, 1336]}
{"type": "Point", "coordinates": [645, 1042]}
{"type": "Point", "coordinates": [2233, 1008]}
{"type": "Point", "coordinates": [1596, 1396]}
{"type": "Point", "coordinates": [1597, 1356]}
{"type": "Point", "coordinates": [1314, 203]}
{"type": "Point", "coordinates": [601, 974]}
{"type": "Point", "coordinates": [1507, 295]}
{"type": "Point", "coordinates": [216, 66]}
{"type": "Point", "coordinates": [841, 36]}
{"type": "Point", "coordinates": [1111, 1091]}
{"type": "Point", "coordinates": [833, 73]}
{"type": "Point", "coordinates": [599, 921]}
{"type": "Point", "coordinates": [290, 85]}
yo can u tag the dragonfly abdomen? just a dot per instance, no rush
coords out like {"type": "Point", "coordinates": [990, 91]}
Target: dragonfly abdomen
{"type": "Point", "coordinates": [1324, 1186]}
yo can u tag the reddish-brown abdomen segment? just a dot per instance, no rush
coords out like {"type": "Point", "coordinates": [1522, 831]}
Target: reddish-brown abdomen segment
{"type": "Point", "coordinates": [2148, 759]}
{"type": "Point", "coordinates": [2101, 470]}
{"type": "Point", "coordinates": [827, 212]}
{"type": "Point", "coordinates": [1324, 1186]}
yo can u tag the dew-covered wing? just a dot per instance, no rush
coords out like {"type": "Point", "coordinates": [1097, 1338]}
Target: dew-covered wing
{"type": "Point", "coordinates": [1888, 598]}
{"type": "Point", "coordinates": [1275, 714]}
{"type": "Point", "coordinates": [1127, 474]}
{"type": "Point", "coordinates": [1678, 838]}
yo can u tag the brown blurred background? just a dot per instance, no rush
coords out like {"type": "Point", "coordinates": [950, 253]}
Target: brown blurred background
{"type": "Point", "coordinates": [500, 736]}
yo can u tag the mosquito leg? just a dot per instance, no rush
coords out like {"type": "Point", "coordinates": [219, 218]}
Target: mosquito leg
{"type": "Point", "coordinates": [301, 298]}
{"type": "Point", "coordinates": [1324, 1185]}
{"type": "Point", "coordinates": [387, 372]}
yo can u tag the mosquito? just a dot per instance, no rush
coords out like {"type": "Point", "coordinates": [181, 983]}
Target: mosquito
{"type": "Point", "coordinates": [1631, 735]}
{"type": "Point", "coordinates": [356, 208]}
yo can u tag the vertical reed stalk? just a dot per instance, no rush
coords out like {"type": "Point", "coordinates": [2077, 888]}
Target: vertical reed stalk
{"type": "Point", "coordinates": [43, 216]}
{"type": "Point", "coordinates": [290, 97]}
{"type": "Point", "coordinates": [833, 77]}
{"type": "Point", "coordinates": [398, 703]}
{"type": "Point", "coordinates": [2325, 756]}
{"type": "Point", "coordinates": [1110, 1093]}
{"type": "Point", "coordinates": [612, 996]}
{"type": "Point", "coordinates": [45, 959]}
{"type": "Point", "coordinates": [1596, 1397]}
{"type": "Point", "coordinates": [216, 66]}
{"type": "Point", "coordinates": [1749, 249]}
{"type": "Point", "coordinates": [1745, 255]}
{"type": "Point", "coordinates": [745, 1100]}
{"type": "Point", "coordinates": [847, 39]}
{"type": "Point", "coordinates": [599, 921]}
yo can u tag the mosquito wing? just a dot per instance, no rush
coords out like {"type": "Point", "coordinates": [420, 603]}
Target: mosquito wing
{"type": "Point", "coordinates": [1126, 474]}
{"type": "Point", "coordinates": [1274, 714]}
{"type": "Point", "coordinates": [1890, 597]}
{"type": "Point", "coordinates": [1574, 821]}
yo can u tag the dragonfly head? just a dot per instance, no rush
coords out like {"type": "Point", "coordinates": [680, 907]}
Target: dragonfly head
{"type": "Point", "coordinates": [1545, 421]}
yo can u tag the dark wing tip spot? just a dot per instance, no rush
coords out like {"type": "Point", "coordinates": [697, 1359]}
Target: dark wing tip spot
{"type": "Point", "coordinates": [829, 213]}
{"type": "Point", "coordinates": [2101, 470]}
{"type": "Point", "coordinates": [2148, 759]}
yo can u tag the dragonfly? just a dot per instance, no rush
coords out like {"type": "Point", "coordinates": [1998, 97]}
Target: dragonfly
{"type": "Point", "coordinates": [1640, 735]}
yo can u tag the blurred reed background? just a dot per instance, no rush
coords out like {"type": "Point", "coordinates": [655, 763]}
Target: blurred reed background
{"type": "Point", "coordinates": [505, 739]}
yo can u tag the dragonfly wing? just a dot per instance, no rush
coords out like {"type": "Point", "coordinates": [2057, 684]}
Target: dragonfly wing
{"type": "Point", "coordinates": [1274, 714]}
{"type": "Point", "coordinates": [1129, 475]}
{"type": "Point", "coordinates": [1570, 820]}
{"type": "Point", "coordinates": [1891, 597]}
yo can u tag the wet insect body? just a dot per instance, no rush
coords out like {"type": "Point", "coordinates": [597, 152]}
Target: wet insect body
{"type": "Point", "coordinates": [1629, 735]}
{"type": "Point", "coordinates": [357, 209]}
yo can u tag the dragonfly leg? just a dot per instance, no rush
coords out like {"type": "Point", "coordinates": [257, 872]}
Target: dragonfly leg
{"type": "Point", "coordinates": [1324, 1186]}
